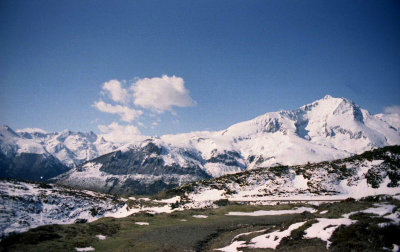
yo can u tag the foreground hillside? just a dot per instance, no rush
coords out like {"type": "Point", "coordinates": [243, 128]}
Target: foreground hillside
{"type": "Point", "coordinates": [370, 224]}
{"type": "Point", "coordinates": [327, 129]}
{"type": "Point", "coordinates": [371, 173]}
{"type": "Point", "coordinates": [27, 205]}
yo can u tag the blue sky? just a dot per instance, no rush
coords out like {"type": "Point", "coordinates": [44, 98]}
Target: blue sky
{"type": "Point", "coordinates": [238, 59]}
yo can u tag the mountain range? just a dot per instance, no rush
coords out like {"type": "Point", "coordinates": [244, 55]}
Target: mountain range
{"type": "Point", "coordinates": [327, 129]}
{"type": "Point", "coordinates": [37, 155]}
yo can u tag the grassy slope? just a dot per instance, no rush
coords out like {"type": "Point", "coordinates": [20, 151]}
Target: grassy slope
{"type": "Point", "coordinates": [167, 232]}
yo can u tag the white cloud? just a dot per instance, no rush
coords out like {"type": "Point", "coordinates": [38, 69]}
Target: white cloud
{"type": "Point", "coordinates": [127, 114]}
{"type": "Point", "coordinates": [155, 95]}
{"type": "Point", "coordinates": [161, 94]}
{"type": "Point", "coordinates": [120, 133]}
{"type": "Point", "coordinates": [395, 109]}
{"type": "Point", "coordinates": [116, 92]}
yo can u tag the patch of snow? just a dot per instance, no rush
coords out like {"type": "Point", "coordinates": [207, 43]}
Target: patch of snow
{"type": "Point", "coordinates": [206, 195]}
{"type": "Point", "coordinates": [385, 211]}
{"type": "Point", "coordinates": [170, 201]}
{"type": "Point", "coordinates": [126, 211]}
{"type": "Point", "coordinates": [233, 247]}
{"type": "Point", "coordinates": [363, 189]}
{"type": "Point", "coordinates": [248, 233]}
{"type": "Point", "coordinates": [142, 223]}
{"type": "Point", "coordinates": [238, 244]}
{"type": "Point", "coordinates": [273, 212]}
{"type": "Point", "coordinates": [101, 237]}
{"type": "Point", "coordinates": [323, 212]}
{"type": "Point", "coordinates": [85, 249]}
{"type": "Point", "coordinates": [199, 216]}
{"type": "Point", "coordinates": [381, 209]}
{"type": "Point", "coordinates": [272, 240]}
{"type": "Point", "coordinates": [324, 228]}
{"type": "Point", "coordinates": [300, 182]}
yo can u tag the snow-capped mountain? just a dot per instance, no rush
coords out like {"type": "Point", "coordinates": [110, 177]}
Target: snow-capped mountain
{"type": "Point", "coordinates": [327, 129]}
{"type": "Point", "coordinates": [37, 155]}
{"type": "Point", "coordinates": [71, 148]}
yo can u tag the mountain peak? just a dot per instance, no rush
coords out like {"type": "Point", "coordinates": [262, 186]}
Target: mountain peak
{"type": "Point", "coordinates": [327, 97]}
{"type": "Point", "coordinates": [5, 127]}
{"type": "Point", "coordinates": [8, 129]}
{"type": "Point", "coordinates": [331, 99]}
{"type": "Point", "coordinates": [66, 131]}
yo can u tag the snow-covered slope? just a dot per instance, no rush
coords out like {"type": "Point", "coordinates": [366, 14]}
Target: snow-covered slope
{"type": "Point", "coordinates": [326, 129]}
{"type": "Point", "coordinates": [28, 205]}
{"type": "Point", "coordinates": [391, 119]}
